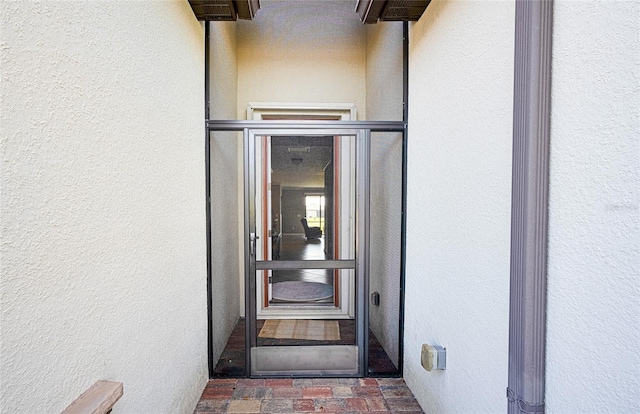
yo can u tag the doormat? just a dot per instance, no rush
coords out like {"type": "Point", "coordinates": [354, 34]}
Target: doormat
{"type": "Point", "coordinates": [313, 330]}
{"type": "Point", "coordinates": [296, 291]}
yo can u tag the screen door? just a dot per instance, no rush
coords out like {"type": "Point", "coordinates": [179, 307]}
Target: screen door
{"type": "Point", "coordinates": [306, 251]}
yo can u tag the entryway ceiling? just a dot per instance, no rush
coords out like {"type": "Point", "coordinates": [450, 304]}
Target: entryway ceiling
{"type": "Point", "coordinates": [315, 153]}
{"type": "Point", "coordinates": [369, 11]}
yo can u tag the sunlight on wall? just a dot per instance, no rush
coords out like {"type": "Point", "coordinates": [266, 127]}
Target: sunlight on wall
{"type": "Point", "coordinates": [594, 220]}
{"type": "Point", "coordinates": [103, 254]}
{"type": "Point", "coordinates": [459, 203]}
{"type": "Point", "coordinates": [311, 54]}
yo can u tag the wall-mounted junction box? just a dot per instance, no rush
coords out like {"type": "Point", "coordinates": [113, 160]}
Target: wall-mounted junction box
{"type": "Point", "coordinates": [375, 298]}
{"type": "Point", "coordinates": [433, 357]}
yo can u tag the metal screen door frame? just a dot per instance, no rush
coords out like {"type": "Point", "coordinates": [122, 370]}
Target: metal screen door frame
{"type": "Point", "coordinates": [318, 361]}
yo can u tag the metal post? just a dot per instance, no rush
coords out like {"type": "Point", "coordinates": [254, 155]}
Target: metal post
{"type": "Point", "coordinates": [403, 217]}
{"type": "Point", "coordinates": [249, 253]}
{"type": "Point", "coordinates": [207, 157]}
{"type": "Point", "coordinates": [363, 158]}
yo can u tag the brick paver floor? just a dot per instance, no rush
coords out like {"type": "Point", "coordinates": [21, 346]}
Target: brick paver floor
{"type": "Point", "coordinates": [320, 395]}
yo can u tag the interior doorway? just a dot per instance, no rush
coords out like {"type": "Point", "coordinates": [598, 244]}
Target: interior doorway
{"type": "Point", "coordinates": [306, 186]}
{"type": "Point", "coordinates": [292, 168]}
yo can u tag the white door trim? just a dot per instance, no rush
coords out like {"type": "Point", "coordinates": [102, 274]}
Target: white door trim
{"type": "Point", "coordinates": [261, 110]}
{"type": "Point", "coordinates": [344, 112]}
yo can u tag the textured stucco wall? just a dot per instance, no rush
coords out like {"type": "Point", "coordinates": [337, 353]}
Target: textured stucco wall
{"type": "Point", "coordinates": [226, 186]}
{"type": "Point", "coordinates": [103, 265]}
{"type": "Point", "coordinates": [459, 203]}
{"type": "Point", "coordinates": [307, 53]}
{"type": "Point", "coordinates": [593, 328]}
{"type": "Point", "coordinates": [384, 102]}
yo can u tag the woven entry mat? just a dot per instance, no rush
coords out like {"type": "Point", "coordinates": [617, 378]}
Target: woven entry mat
{"type": "Point", "coordinates": [297, 291]}
{"type": "Point", "coordinates": [312, 330]}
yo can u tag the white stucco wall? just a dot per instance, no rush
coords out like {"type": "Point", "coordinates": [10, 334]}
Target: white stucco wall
{"type": "Point", "coordinates": [459, 202]}
{"type": "Point", "coordinates": [384, 103]}
{"type": "Point", "coordinates": [103, 267]}
{"type": "Point", "coordinates": [302, 52]}
{"type": "Point", "coordinates": [593, 328]}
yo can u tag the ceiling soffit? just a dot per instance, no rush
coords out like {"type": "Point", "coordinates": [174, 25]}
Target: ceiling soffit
{"type": "Point", "coordinates": [224, 10]}
{"type": "Point", "coordinates": [369, 11]}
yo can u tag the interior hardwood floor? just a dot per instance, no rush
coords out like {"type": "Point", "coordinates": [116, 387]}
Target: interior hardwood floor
{"type": "Point", "coordinates": [296, 247]}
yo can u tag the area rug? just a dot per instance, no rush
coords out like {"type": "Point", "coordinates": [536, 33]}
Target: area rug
{"type": "Point", "coordinates": [313, 330]}
{"type": "Point", "coordinates": [295, 291]}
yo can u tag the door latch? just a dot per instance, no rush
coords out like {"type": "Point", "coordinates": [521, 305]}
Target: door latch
{"type": "Point", "coordinates": [252, 244]}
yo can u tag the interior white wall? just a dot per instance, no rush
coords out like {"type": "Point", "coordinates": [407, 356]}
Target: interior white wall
{"type": "Point", "coordinates": [459, 202]}
{"type": "Point", "coordinates": [384, 81]}
{"type": "Point", "coordinates": [593, 327]}
{"type": "Point", "coordinates": [302, 52]}
{"type": "Point", "coordinates": [103, 267]}
{"type": "Point", "coordinates": [227, 225]}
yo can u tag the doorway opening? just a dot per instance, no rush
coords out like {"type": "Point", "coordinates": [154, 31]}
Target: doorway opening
{"type": "Point", "coordinates": [301, 176]}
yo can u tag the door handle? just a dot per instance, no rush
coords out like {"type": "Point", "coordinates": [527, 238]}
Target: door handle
{"type": "Point", "coordinates": [252, 243]}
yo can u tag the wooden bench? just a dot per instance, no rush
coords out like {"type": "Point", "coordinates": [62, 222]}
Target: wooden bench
{"type": "Point", "coordinates": [99, 399]}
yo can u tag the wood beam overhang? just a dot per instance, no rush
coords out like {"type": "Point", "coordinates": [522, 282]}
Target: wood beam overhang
{"type": "Point", "coordinates": [224, 10]}
{"type": "Point", "coordinates": [372, 11]}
